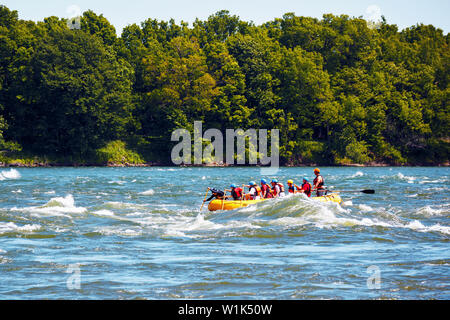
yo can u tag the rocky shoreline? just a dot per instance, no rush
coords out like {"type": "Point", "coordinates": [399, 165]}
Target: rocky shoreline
{"type": "Point", "coordinates": [157, 164]}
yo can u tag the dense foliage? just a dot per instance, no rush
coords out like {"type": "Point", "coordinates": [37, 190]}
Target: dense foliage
{"type": "Point", "coordinates": [339, 90]}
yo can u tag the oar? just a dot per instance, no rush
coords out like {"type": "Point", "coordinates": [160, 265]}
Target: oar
{"type": "Point", "coordinates": [367, 191]}
{"type": "Point", "coordinates": [206, 194]}
{"type": "Point", "coordinates": [223, 199]}
{"type": "Point", "coordinates": [242, 194]}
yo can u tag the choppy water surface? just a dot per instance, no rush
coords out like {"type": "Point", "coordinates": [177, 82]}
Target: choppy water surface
{"type": "Point", "coordinates": [131, 233]}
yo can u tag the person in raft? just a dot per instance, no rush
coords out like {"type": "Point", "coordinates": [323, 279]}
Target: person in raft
{"type": "Point", "coordinates": [277, 188]}
{"type": "Point", "coordinates": [236, 192]}
{"type": "Point", "coordinates": [216, 193]}
{"type": "Point", "coordinates": [266, 191]}
{"type": "Point", "coordinates": [292, 186]}
{"type": "Point", "coordinates": [254, 192]}
{"type": "Point", "coordinates": [306, 187]}
{"type": "Point", "coordinates": [319, 183]}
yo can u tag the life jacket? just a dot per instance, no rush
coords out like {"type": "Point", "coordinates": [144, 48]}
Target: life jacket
{"type": "Point", "coordinates": [306, 187]}
{"type": "Point", "coordinates": [267, 191]}
{"type": "Point", "coordinates": [291, 189]}
{"type": "Point", "coordinates": [237, 193]}
{"type": "Point", "coordinates": [258, 191]}
{"type": "Point", "coordinates": [280, 185]}
{"type": "Point", "coordinates": [321, 184]}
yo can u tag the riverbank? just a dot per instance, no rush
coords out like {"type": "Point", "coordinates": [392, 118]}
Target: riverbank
{"type": "Point", "coordinates": [20, 164]}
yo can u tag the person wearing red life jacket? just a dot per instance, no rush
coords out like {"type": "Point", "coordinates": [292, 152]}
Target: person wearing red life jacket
{"type": "Point", "coordinates": [277, 188]}
{"type": "Point", "coordinates": [306, 187]}
{"type": "Point", "coordinates": [236, 192]}
{"type": "Point", "coordinates": [266, 191]}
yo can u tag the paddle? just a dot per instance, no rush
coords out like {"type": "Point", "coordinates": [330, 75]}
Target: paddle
{"type": "Point", "coordinates": [224, 196]}
{"type": "Point", "coordinates": [242, 194]}
{"type": "Point", "coordinates": [206, 194]}
{"type": "Point", "coordinates": [368, 191]}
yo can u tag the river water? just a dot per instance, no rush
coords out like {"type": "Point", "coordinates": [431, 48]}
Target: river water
{"type": "Point", "coordinates": [137, 233]}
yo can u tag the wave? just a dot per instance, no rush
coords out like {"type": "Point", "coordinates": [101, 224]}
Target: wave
{"type": "Point", "coordinates": [298, 210]}
{"type": "Point", "coordinates": [103, 213]}
{"type": "Point", "coordinates": [117, 182]}
{"type": "Point", "coordinates": [418, 226]}
{"type": "Point", "coordinates": [357, 174]}
{"type": "Point", "coordinates": [59, 206]}
{"type": "Point", "coordinates": [10, 174]}
{"type": "Point", "coordinates": [149, 192]}
{"type": "Point", "coordinates": [292, 211]}
{"type": "Point", "coordinates": [11, 227]}
{"type": "Point", "coordinates": [424, 181]}
{"type": "Point", "coordinates": [408, 179]}
{"type": "Point", "coordinates": [428, 211]}
{"type": "Point", "coordinates": [365, 208]}
{"type": "Point", "coordinates": [123, 205]}
{"type": "Point", "coordinates": [118, 231]}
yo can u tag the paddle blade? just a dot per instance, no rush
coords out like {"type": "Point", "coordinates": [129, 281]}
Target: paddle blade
{"type": "Point", "coordinates": [370, 191]}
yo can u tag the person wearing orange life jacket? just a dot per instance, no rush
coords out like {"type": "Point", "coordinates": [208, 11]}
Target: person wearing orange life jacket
{"type": "Point", "coordinates": [254, 191]}
{"type": "Point", "coordinates": [319, 183]}
{"type": "Point", "coordinates": [292, 186]}
{"type": "Point", "coordinates": [277, 188]}
{"type": "Point", "coordinates": [266, 191]}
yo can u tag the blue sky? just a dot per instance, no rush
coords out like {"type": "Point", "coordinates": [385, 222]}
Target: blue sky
{"type": "Point", "coordinates": [121, 13]}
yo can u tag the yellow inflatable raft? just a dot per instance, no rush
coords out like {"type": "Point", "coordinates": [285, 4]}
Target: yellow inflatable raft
{"type": "Point", "coordinates": [234, 204]}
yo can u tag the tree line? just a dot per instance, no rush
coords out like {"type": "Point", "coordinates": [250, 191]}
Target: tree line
{"type": "Point", "coordinates": [339, 89]}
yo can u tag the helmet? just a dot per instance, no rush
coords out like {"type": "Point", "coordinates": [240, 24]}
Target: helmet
{"type": "Point", "coordinates": [252, 183]}
{"type": "Point", "coordinates": [290, 181]}
{"type": "Point", "coordinates": [305, 178]}
{"type": "Point", "coordinates": [263, 181]}
{"type": "Point", "coordinates": [316, 170]}
{"type": "Point", "coordinates": [233, 186]}
{"type": "Point", "coordinates": [274, 180]}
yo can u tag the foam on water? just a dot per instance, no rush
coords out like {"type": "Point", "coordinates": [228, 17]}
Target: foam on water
{"type": "Point", "coordinates": [357, 174]}
{"type": "Point", "coordinates": [412, 195]}
{"type": "Point", "coordinates": [407, 178]}
{"type": "Point", "coordinates": [104, 212]}
{"type": "Point", "coordinates": [365, 208]}
{"type": "Point", "coordinates": [429, 211]}
{"type": "Point", "coordinates": [117, 182]}
{"type": "Point", "coordinates": [59, 206]}
{"type": "Point", "coordinates": [122, 205]}
{"type": "Point", "coordinates": [149, 192]}
{"type": "Point", "coordinates": [297, 211]}
{"type": "Point", "coordinates": [9, 227]}
{"type": "Point", "coordinates": [10, 174]}
{"type": "Point", "coordinates": [418, 226]}
{"type": "Point", "coordinates": [119, 231]}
